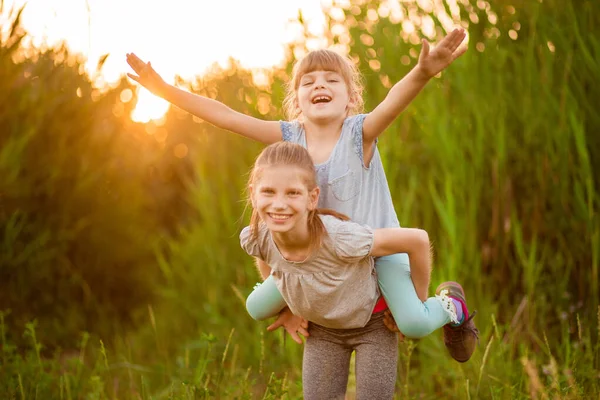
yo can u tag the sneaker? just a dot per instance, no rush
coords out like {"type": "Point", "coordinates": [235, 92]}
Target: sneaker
{"type": "Point", "coordinates": [462, 339]}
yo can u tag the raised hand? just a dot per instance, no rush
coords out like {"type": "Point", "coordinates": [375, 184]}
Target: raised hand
{"type": "Point", "coordinates": [447, 50]}
{"type": "Point", "coordinates": [292, 324]}
{"type": "Point", "coordinates": [146, 75]}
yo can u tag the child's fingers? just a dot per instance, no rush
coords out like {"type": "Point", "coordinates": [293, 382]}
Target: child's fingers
{"type": "Point", "coordinates": [134, 77]}
{"type": "Point", "coordinates": [134, 66]}
{"type": "Point", "coordinates": [457, 39]}
{"type": "Point", "coordinates": [131, 63]}
{"type": "Point", "coordinates": [295, 337]}
{"type": "Point", "coordinates": [447, 40]}
{"type": "Point", "coordinates": [303, 332]}
{"type": "Point", "coordinates": [134, 58]}
{"type": "Point", "coordinates": [389, 322]}
{"type": "Point", "coordinates": [274, 325]}
{"type": "Point", "coordinates": [391, 327]}
{"type": "Point", "coordinates": [131, 58]}
{"type": "Point", "coordinates": [135, 62]}
{"type": "Point", "coordinates": [452, 40]}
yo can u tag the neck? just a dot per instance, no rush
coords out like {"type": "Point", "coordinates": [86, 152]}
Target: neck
{"type": "Point", "coordinates": [293, 245]}
{"type": "Point", "coordinates": [324, 130]}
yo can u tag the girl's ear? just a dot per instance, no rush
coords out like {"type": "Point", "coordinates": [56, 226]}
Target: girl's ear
{"type": "Point", "coordinates": [351, 102]}
{"type": "Point", "coordinates": [313, 198]}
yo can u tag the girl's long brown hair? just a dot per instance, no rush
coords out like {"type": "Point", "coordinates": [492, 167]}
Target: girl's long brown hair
{"type": "Point", "coordinates": [291, 154]}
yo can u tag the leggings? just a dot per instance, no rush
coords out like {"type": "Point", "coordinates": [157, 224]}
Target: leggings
{"type": "Point", "coordinates": [414, 318]}
{"type": "Point", "coordinates": [326, 361]}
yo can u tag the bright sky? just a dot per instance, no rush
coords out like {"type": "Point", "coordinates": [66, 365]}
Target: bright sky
{"type": "Point", "coordinates": [181, 37]}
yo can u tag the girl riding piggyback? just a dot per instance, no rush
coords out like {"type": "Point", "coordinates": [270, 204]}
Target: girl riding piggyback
{"type": "Point", "coordinates": [324, 104]}
{"type": "Point", "coordinates": [324, 269]}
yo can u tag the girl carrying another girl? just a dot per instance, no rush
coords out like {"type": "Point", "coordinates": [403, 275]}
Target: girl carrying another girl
{"type": "Point", "coordinates": [323, 266]}
{"type": "Point", "coordinates": [324, 103]}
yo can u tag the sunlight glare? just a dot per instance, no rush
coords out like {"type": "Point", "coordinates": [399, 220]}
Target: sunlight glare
{"type": "Point", "coordinates": [192, 36]}
{"type": "Point", "coordinates": [149, 107]}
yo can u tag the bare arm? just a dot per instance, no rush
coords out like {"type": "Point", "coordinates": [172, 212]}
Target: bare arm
{"type": "Point", "coordinates": [210, 110]}
{"type": "Point", "coordinates": [263, 268]}
{"type": "Point", "coordinates": [415, 242]}
{"type": "Point", "coordinates": [397, 99]}
{"type": "Point", "coordinates": [403, 92]}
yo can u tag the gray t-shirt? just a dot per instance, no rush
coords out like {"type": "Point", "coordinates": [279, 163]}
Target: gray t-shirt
{"type": "Point", "coordinates": [336, 286]}
{"type": "Point", "coordinates": [347, 186]}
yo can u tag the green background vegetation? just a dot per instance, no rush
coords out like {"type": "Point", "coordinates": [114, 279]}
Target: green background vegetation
{"type": "Point", "coordinates": [121, 274]}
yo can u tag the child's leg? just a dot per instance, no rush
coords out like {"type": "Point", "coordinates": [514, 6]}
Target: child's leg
{"type": "Point", "coordinates": [414, 318]}
{"type": "Point", "coordinates": [265, 301]}
{"type": "Point", "coordinates": [326, 364]}
{"type": "Point", "coordinates": [376, 361]}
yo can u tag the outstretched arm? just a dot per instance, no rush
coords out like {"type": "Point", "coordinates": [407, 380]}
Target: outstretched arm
{"type": "Point", "coordinates": [402, 93]}
{"type": "Point", "coordinates": [414, 242]}
{"type": "Point", "coordinates": [209, 110]}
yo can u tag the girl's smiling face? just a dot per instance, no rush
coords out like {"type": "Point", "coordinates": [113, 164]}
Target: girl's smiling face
{"type": "Point", "coordinates": [323, 96]}
{"type": "Point", "coordinates": [283, 200]}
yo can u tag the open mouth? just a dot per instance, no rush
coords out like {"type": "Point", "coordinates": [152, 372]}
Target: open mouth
{"type": "Point", "coordinates": [279, 217]}
{"type": "Point", "coordinates": [321, 99]}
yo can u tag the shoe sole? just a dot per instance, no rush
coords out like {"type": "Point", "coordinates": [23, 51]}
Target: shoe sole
{"type": "Point", "coordinates": [452, 283]}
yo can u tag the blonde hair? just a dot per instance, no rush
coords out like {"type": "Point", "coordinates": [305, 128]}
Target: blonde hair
{"type": "Point", "coordinates": [291, 154]}
{"type": "Point", "coordinates": [324, 60]}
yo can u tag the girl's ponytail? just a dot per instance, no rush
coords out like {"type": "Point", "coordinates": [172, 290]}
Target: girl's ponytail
{"type": "Point", "coordinates": [316, 228]}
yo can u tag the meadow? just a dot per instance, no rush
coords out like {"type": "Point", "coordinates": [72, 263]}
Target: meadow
{"type": "Point", "coordinates": [121, 274]}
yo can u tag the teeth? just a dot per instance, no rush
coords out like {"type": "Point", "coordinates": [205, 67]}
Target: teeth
{"type": "Point", "coordinates": [321, 98]}
{"type": "Point", "coordinates": [279, 216]}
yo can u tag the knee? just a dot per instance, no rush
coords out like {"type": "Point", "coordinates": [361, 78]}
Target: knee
{"type": "Point", "coordinates": [414, 328]}
{"type": "Point", "coordinates": [254, 308]}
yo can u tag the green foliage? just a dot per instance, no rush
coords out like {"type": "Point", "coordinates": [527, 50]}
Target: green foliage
{"type": "Point", "coordinates": [76, 243]}
{"type": "Point", "coordinates": [204, 368]}
{"type": "Point", "coordinates": [498, 158]}
{"type": "Point", "coordinates": [104, 221]}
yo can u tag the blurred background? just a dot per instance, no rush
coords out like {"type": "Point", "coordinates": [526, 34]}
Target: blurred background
{"type": "Point", "coordinates": [121, 275]}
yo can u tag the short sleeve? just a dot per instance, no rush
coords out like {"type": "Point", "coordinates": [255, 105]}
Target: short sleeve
{"type": "Point", "coordinates": [288, 131]}
{"type": "Point", "coordinates": [353, 241]}
{"type": "Point", "coordinates": [355, 125]}
{"type": "Point", "coordinates": [250, 244]}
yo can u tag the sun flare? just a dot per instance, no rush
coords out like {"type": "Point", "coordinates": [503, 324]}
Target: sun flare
{"type": "Point", "coordinates": [149, 107]}
{"type": "Point", "coordinates": [181, 46]}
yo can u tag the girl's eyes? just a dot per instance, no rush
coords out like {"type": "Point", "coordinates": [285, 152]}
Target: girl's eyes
{"type": "Point", "coordinates": [308, 83]}
{"type": "Point", "coordinates": [270, 192]}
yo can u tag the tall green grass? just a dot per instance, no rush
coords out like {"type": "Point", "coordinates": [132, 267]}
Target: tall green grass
{"type": "Point", "coordinates": [499, 153]}
{"type": "Point", "coordinates": [497, 159]}
{"type": "Point", "coordinates": [68, 174]}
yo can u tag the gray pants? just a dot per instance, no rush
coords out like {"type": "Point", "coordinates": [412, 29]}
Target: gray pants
{"type": "Point", "coordinates": [326, 362]}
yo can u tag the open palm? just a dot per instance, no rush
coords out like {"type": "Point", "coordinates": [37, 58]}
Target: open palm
{"type": "Point", "coordinates": [447, 50]}
{"type": "Point", "coordinates": [145, 74]}
{"type": "Point", "coordinates": [293, 324]}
